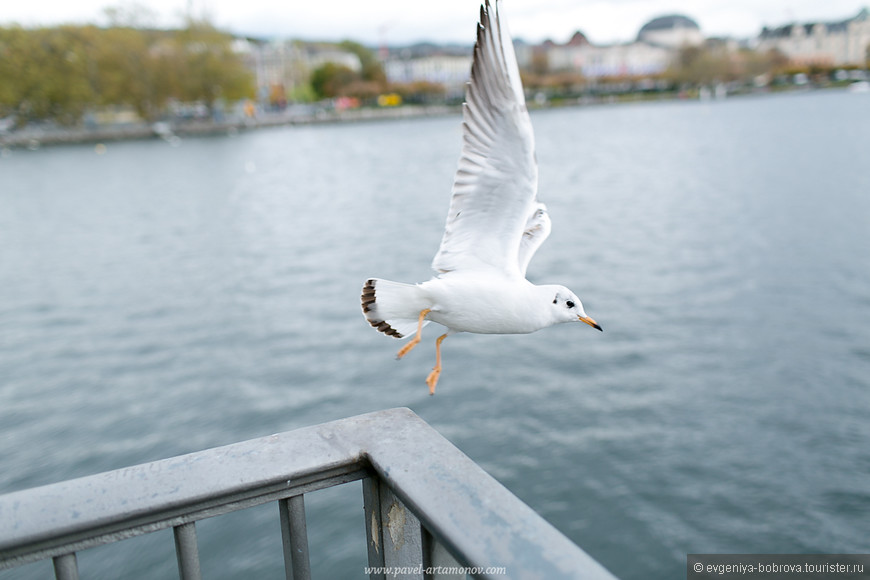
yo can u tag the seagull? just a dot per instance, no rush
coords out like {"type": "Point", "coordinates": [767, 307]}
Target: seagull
{"type": "Point", "coordinates": [495, 223]}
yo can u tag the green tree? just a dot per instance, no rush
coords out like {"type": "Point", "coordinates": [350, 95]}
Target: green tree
{"type": "Point", "coordinates": [12, 69]}
{"type": "Point", "coordinates": [45, 74]}
{"type": "Point", "coordinates": [331, 79]}
{"type": "Point", "coordinates": [208, 68]}
{"type": "Point", "coordinates": [60, 73]}
{"type": "Point", "coordinates": [372, 69]}
{"type": "Point", "coordinates": [702, 65]}
{"type": "Point", "coordinates": [124, 70]}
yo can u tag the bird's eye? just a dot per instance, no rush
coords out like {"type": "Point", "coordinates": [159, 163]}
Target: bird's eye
{"type": "Point", "coordinates": [570, 304]}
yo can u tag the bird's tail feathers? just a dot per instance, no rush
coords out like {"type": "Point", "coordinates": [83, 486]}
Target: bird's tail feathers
{"type": "Point", "coordinates": [392, 307]}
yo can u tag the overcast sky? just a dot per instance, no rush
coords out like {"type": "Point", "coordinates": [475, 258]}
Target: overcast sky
{"type": "Point", "coordinates": [404, 21]}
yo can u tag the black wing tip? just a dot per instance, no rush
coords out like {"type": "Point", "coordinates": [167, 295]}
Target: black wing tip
{"type": "Point", "coordinates": [368, 296]}
{"type": "Point", "coordinates": [486, 14]}
{"type": "Point", "coordinates": [368, 300]}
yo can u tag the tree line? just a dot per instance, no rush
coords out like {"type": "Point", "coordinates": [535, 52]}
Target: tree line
{"type": "Point", "coordinates": [62, 72]}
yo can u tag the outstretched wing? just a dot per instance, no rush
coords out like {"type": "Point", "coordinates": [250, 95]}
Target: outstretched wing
{"type": "Point", "coordinates": [497, 178]}
{"type": "Point", "coordinates": [536, 231]}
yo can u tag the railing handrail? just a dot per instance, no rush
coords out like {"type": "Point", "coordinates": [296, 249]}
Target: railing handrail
{"type": "Point", "coordinates": [478, 520]}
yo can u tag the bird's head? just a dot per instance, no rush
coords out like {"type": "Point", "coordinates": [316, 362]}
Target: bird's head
{"type": "Point", "coordinates": [566, 307]}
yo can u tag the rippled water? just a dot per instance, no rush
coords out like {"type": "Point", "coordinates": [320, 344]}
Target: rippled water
{"type": "Point", "coordinates": [159, 300]}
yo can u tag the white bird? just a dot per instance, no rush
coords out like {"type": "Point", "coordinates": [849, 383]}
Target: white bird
{"type": "Point", "coordinates": [494, 225]}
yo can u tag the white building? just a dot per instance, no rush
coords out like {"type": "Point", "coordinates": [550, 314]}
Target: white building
{"type": "Point", "coordinates": [282, 66]}
{"type": "Point", "coordinates": [825, 43]}
{"type": "Point", "coordinates": [655, 48]}
{"type": "Point", "coordinates": [276, 64]}
{"type": "Point", "coordinates": [672, 31]}
{"type": "Point", "coordinates": [451, 71]}
{"type": "Point", "coordinates": [617, 60]}
{"type": "Point", "coordinates": [319, 55]}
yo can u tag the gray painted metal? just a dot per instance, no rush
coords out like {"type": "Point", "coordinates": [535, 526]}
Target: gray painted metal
{"type": "Point", "coordinates": [477, 520]}
{"type": "Point", "coordinates": [187, 552]}
{"type": "Point", "coordinates": [403, 538]}
{"type": "Point", "coordinates": [441, 563]}
{"type": "Point", "coordinates": [294, 535]}
{"type": "Point", "coordinates": [374, 527]}
{"type": "Point", "coordinates": [66, 567]}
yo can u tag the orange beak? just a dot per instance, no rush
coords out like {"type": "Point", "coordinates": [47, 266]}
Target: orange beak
{"type": "Point", "coordinates": [590, 322]}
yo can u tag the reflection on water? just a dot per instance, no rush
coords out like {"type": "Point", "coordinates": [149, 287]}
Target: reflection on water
{"type": "Point", "coordinates": [158, 300]}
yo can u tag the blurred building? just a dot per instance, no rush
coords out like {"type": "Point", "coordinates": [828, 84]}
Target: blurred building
{"type": "Point", "coordinates": [524, 53]}
{"type": "Point", "coordinates": [844, 42]}
{"type": "Point", "coordinates": [671, 31]}
{"type": "Point", "coordinates": [568, 56]}
{"type": "Point", "coordinates": [446, 65]}
{"type": "Point", "coordinates": [656, 46]}
{"type": "Point", "coordinates": [282, 67]}
{"type": "Point", "coordinates": [450, 71]}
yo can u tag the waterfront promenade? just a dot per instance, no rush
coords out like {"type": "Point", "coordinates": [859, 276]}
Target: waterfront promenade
{"type": "Point", "coordinates": [35, 136]}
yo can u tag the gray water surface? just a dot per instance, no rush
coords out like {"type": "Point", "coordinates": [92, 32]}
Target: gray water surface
{"type": "Point", "coordinates": [158, 300]}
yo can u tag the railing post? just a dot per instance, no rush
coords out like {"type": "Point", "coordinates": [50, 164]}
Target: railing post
{"type": "Point", "coordinates": [436, 558]}
{"type": "Point", "coordinates": [374, 526]}
{"type": "Point", "coordinates": [66, 567]}
{"type": "Point", "coordinates": [187, 552]}
{"type": "Point", "coordinates": [402, 534]}
{"type": "Point", "coordinates": [294, 537]}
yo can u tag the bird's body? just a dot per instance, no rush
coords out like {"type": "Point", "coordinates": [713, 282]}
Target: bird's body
{"type": "Point", "coordinates": [494, 225]}
{"type": "Point", "coordinates": [465, 303]}
{"type": "Point", "coordinates": [484, 302]}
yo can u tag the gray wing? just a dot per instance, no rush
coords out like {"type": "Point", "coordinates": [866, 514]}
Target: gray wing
{"type": "Point", "coordinates": [496, 182]}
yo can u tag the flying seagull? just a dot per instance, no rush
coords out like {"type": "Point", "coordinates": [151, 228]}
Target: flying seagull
{"type": "Point", "coordinates": [494, 225]}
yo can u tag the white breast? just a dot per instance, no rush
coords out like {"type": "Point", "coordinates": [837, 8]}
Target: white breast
{"type": "Point", "coordinates": [486, 303]}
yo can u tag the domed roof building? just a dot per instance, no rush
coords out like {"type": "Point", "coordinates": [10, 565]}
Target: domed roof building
{"type": "Point", "coordinates": [672, 31]}
{"type": "Point", "coordinates": [657, 45]}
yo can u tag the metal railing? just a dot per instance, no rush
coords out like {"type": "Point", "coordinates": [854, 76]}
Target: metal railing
{"type": "Point", "coordinates": [430, 511]}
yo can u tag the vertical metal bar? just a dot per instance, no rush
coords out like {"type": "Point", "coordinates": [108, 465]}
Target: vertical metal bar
{"type": "Point", "coordinates": [187, 552]}
{"type": "Point", "coordinates": [66, 567]}
{"type": "Point", "coordinates": [294, 535]}
{"type": "Point", "coordinates": [438, 563]}
{"type": "Point", "coordinates": [374, 527]}
{"type": "Point", "coordinates": [403, 542]}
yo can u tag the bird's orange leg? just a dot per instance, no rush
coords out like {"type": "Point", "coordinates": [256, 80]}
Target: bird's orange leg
{"type": "Point", "coordinates": [416, 340]}
{"type": "Point", "coordinates": [432, 379]}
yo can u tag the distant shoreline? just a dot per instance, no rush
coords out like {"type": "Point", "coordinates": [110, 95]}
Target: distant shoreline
{"type": "Point", "coordinates": [173, 132]}
{"type": "Point", "coordinates": [38, 137]}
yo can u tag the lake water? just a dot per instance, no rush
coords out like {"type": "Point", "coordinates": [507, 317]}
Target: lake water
{"type": "Point", "coordinates": [157, 300]}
